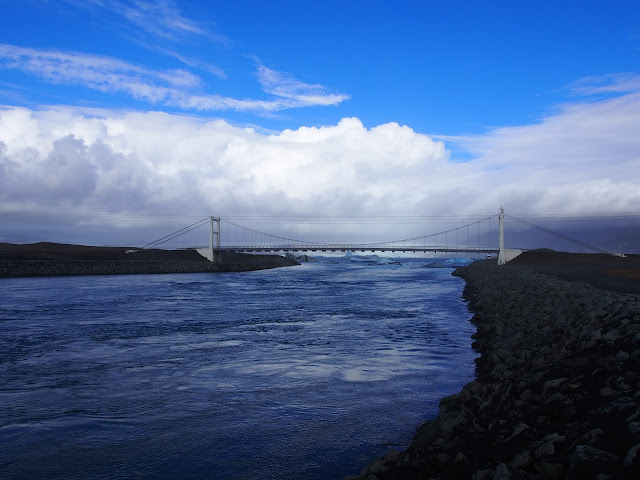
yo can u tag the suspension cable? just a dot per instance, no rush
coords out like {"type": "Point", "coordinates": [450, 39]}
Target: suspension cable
{"type": "Point", "coordinates": [177, 233]}
{"type": "Point", "coordinates": [564, 237]}
{"type": "Point", "coordinates": [432, 234]}
{"type": "Point", "coordinates": [269, 235]}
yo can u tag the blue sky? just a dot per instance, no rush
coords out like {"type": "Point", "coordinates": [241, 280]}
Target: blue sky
{"type": "Point", "coordinates": [440, 67]}
{"type": "Point", "coordinates": [391, 107]}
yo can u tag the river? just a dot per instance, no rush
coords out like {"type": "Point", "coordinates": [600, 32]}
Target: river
{"type": "Point", "coordinates": [306, 372]}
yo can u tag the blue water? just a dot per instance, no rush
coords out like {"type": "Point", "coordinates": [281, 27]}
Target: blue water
{"type": "Point", "coordinates": [295, 373]}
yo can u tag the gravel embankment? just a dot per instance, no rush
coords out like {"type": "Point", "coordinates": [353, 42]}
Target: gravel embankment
{"type": "Point", "coordinates": [557, 393]}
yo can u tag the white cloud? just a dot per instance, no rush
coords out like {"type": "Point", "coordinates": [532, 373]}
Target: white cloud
{"type": "Point", "coordinates": [175, 88]}
{"type": "Point", "coordinates": [583, 159]}
{"type": "Point", "coordinates": [158, 26]}
{"type": "Point", "coordinates": [193, 63]}
{"type": "Point", "coordinates": [158, 19]}
{"type": "Point", "coordinates": [156, 163]}
{"type": "Point", "coordinates": [105, 74]}
{"type": "Point", "coordinates": [298, 93]}
{"type": "Point", "coordinates": [606, 84]}
{"type": "Point", "coordinates": [161, 18]}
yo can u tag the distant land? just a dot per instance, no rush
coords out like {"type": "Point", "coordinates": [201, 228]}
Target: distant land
{"type": "Point", "coordinates": [56, 259]}
{"type": "Point", "coordinates": [607, 272]}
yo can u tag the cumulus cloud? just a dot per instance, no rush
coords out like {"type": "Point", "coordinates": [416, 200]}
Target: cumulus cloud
{"type": "Point", "coordinates": [156, 163]}
{"type": "Point", "coordinates": [583, 159]}
{"type": "Point", "coordinates": [235, 168]}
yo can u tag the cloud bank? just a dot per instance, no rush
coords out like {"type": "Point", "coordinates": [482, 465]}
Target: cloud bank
{"type": "Point", "coordinates": [159, 163]}
{"type": "Point", "coordinates": [583, 159]}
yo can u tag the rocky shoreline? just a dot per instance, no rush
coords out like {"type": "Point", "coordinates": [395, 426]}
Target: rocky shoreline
{"type": "Point", "coordinates": [557, 393]}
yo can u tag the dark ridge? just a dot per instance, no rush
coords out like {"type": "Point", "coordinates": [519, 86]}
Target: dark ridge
{"type": "Point", "coordinates": [54, 259]}
{"type": "Point", "coordinates": [608, 272]}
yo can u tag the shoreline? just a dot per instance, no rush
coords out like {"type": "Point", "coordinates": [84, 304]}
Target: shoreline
{"type": "Point", "coordinates": [557, 388]}
{"type": "Point", "coordinates": [53, 259]}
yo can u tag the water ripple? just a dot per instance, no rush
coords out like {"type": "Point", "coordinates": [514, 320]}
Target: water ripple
{"type": "Point", "coordinates": [306, 372]}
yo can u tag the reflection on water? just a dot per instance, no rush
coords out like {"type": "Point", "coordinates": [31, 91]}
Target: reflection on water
{"type": "Point", "coordinates": [303, 372]}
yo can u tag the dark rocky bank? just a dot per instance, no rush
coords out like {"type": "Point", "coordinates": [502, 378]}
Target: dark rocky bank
{"type": "Point", "coordinates": [557, 393]}
{"type": "Point", "coordinates": [53, 259]}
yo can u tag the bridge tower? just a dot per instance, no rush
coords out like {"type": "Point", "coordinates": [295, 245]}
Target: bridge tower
{"type": "Point", "coordinates": [502, 258]}
{"type": "Point", "coordinates": [215, 255]}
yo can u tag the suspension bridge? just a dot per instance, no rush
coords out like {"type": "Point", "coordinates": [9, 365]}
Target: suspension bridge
{"type": "Point", "coordinates": [465, 239]}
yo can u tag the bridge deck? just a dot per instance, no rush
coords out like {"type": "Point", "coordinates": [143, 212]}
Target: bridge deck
{"type": "Point", "coordinates": [358, 248]}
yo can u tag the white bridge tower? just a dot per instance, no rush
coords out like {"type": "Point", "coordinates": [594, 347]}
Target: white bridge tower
{"type": "Point", "coordinates": [214, 254]}
{"type": "Point", "coordinates": [505, 254]}
{"type": "Point", "coordinates": [502, 259]}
